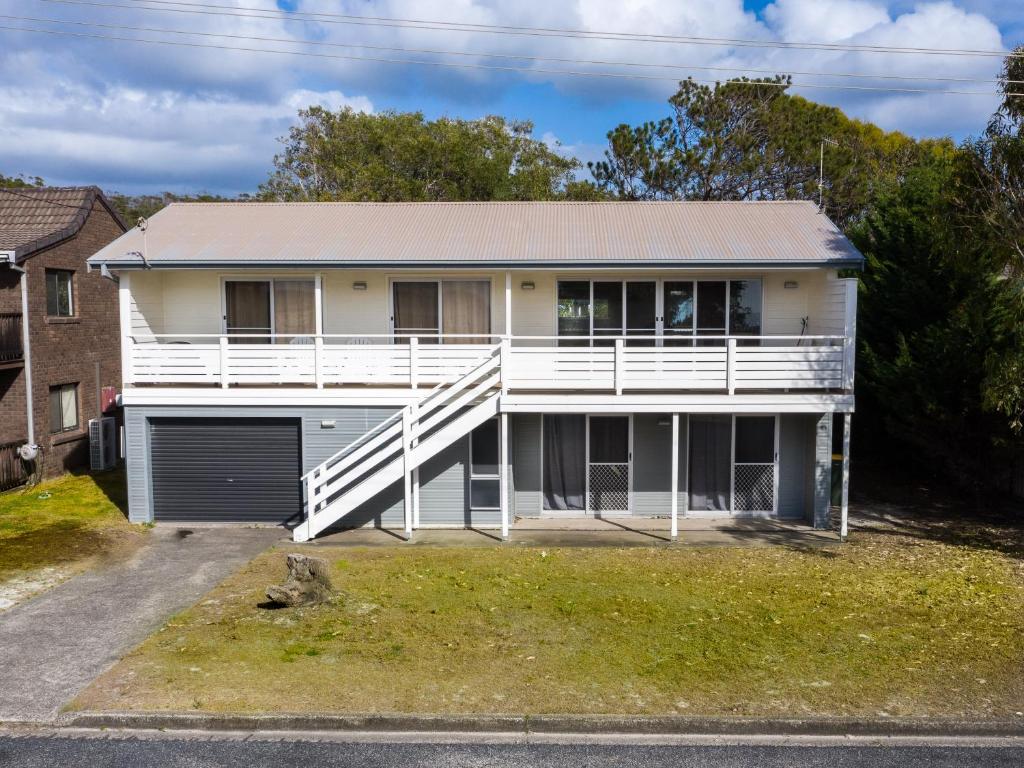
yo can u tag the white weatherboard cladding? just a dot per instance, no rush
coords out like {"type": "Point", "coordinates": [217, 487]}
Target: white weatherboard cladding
{"type": "Point", "coordinates": [191, 301]}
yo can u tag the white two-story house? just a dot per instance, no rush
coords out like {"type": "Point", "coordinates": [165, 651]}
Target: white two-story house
{"type": "Point", "coordinates": [432, 364]}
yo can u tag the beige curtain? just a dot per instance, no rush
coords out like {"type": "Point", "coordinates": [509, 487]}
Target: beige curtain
{"type": "Point", "coordinates": [294, 310]}
{"type": "Point", "coordinates": [467, 309]}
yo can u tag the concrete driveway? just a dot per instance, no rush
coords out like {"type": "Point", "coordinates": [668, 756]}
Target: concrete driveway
{"type": "Point", "coordinates": [51, 647]}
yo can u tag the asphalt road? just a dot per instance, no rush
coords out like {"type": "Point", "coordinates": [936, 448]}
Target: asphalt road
{"type": "Point", "coordinates": [101, 751]}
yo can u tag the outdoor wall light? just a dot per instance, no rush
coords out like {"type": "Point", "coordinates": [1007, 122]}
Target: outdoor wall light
{"type": "Point", "coordinates": [527, 285]}
{"type": "Point", "coordinates": [359, 285]}
{"type": "Point", "coordinates": [790, 285]}
{"type": "Point", "coordinates": [664, 421]}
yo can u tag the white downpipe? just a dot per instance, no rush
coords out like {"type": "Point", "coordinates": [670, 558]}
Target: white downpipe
{"type": "Point", "coordinates": [675, 476]}
{"type": "Point", "coordinates": [503, 474]}
{"type": "Point", "coordinates": [26, 350]}
{"type": "Point", "coordinates": [844, 509]}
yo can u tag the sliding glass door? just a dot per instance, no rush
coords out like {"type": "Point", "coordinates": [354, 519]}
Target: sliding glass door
{"type": "Point", "coordinates": [674, 310]}
{"type": "Point", "coordinates": [733, 464]}
{"type": "Point", "coordinates": [431, 309]}
{"type": "Point", "coordinates": [586, 463]}
{"type": "Point", "coordinates": [609, 308]}
{"type": "Point", "coordinates": [261, 311]}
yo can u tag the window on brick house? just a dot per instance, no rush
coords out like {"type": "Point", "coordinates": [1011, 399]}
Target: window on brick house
{"type": "Point", "coordinates": [59, 301]}
{"type": "Point", "coordinates": [63, 408]}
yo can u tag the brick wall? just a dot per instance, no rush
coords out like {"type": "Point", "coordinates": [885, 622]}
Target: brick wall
{"type": "Point", "coordinates": [66, 350]}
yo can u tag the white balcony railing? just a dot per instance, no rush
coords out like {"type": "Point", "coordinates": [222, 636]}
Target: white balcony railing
{"type": "Point", "coordinates": [528, 363]}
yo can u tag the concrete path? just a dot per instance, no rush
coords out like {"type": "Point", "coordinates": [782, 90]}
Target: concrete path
{"type": "Point", "coordinates": [53, 646]}
{"type": "Point", "coordinates": [600, 532]}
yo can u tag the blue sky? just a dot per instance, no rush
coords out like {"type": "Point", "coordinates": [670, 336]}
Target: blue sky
{"type": "Point", "coordinates": [143, 117]}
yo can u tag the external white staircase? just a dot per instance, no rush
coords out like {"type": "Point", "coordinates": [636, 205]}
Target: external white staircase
{"type": "Point", "coordinates": [390, 452]}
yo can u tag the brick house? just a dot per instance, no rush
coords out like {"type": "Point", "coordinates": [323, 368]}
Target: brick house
{"type": "Point", "coordinates": [70, 350]}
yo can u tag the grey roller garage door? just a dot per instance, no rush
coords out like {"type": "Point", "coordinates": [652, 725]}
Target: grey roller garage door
{"type": "Point", "coordinates": [224, 470]}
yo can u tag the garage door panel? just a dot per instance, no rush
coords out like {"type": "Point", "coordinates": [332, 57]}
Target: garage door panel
{"type": "Point", "coordinates": [225, 470]}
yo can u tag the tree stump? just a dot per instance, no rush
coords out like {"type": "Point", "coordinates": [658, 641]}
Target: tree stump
{"type": "Point", "coordinates": [308, 583]}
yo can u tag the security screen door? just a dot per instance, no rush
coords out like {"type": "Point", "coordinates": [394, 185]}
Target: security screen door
{"type": "Point", "coordinates": [733, 465]}
{"type": "Point", "coordinates": [608, 464]}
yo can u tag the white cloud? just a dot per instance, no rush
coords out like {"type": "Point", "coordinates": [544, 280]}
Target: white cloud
{"type": "Point", "coordinates": [186, 141]}
{"type": "Point", "coordinates": [204, 117]}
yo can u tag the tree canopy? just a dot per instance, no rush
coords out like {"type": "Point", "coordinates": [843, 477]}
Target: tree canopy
{"type": "Point", "coordinates": [391, 156]}
{"type": "Point", "coordinates": [751, 140]}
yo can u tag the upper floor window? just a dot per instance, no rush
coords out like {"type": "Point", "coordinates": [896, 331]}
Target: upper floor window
{"type": "Point", "coordinates": [64, 408]}
{"type": "Point", "coordinates": [59, 293]}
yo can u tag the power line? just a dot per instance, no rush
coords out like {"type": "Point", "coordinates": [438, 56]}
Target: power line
{"type": "Point", "coordinates": [36, 199]}
{"type": "Point", "coordinates": [481, 54]}
{"type": "Point", "coordinates": [526, 70]}
{"type": "Point", "coordinates": [249, 12]}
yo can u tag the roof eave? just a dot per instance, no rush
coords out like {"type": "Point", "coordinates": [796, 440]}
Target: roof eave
{"type": "Point", "coordinates": [844, 263]}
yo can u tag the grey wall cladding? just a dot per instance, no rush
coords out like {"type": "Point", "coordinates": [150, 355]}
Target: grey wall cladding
{"type": "Point", "coordinates": [525, 455]}
{"type": "Point", "coordinates": [443, 479]}
{"type": "Point", "coordinates": [652, 464]}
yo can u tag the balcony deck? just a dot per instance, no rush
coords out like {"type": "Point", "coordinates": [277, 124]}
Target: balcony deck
{"type": "Point", "coordinates": [608, 365]}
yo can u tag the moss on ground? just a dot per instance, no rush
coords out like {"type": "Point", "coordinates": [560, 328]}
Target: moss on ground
{"type": "Point", "coordinates": [67, 522]}
{"type": "Point", "coordinates": [885, 625]}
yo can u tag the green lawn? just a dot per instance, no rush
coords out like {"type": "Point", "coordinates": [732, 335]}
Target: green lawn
{"type": "Point", "coordinates": [885, 625]}
{"type": "Point", "coordinates": [66, 523]}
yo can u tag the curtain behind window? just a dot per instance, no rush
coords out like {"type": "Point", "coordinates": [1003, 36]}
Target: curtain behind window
{"type": "Point", "coordinates": [467, 309]}
{"type": "Point", "coordinates": [415, 306]}
{"type": "Point", "coordinates": [294, 309]}
{"type": "Point", "coordinates": [710, 460]}
{"type": "Point", "coordinates": [248, 309]}
{"type": "Point", "coordinates": [564, 461]}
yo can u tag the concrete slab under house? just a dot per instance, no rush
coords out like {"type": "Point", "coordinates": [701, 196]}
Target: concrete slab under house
{"type": "Point", "coordinates": [409, 366]}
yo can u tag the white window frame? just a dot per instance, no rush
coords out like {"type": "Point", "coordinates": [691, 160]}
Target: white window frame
{"type": "Point", "coordinates": [659, 302]}
{"type": "Point", "coordinates": [440, 302]}
{"type": "Point", "coordinates": [587, 511]}
{"type": "Point", "coordinates": [481, 476]}
{"type": "Point", "coordinates": [318, 312]}
{"type": "Point", "coordinates": [731, 511]}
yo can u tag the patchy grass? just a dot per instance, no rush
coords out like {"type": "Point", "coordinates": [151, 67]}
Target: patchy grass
{"type": "Point", "coordinates": [881, 626]}
{"type": "Point", "coordinates": [63, 526]}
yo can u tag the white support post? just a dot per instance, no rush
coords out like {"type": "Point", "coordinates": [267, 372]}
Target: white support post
{"type": "Point", "coordinates": [508, 304]}
{"type": "Point", "coordinates": [675, 476]}
{"type": "Point", "coordinates": [619, 365]}
{"type": "Point", "coordinates": [318, 303]}
{"type": "Point", "coordinates": [414, 422]}
{"type": "Point", "coordinates": [850, 333]}
{"type": "Point", "coordinates": [318, 361]}
{"type": "Point", "coordinates": [224, 362]}
{"type": "Point", "coordinates": [414, 349]}
{"type": "Point", "coordinates": [505, 359]}
{"type": "Point", "coordinates": [310, 504]}
{"type": "Point", "coordinates": [407, 471]}
{"type": "Point", "coordinates": [124, 296]}
{"type": "Point", "coordinates": [503, 474]}
{"type": "Point", "coordinates": [844, 509]}
{"type": "Point", "coordinates": [730, 366]}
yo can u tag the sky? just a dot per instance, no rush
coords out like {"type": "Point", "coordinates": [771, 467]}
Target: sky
{"type": "Point", "coordinates": [143, 117]}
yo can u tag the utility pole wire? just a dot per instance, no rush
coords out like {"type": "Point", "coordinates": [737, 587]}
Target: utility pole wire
{"type": "Point", "coordinates": [486, 67]}
{"type": "Point", "coordinates": [249, 12]}
{"type": "Point", "coordinates": [513, 56]}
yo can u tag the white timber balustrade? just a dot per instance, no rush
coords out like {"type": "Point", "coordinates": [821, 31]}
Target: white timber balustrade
{"type": "Point", "coordinates": [528, 363]}
{"type": "Point", "coordinates": [396, 448]}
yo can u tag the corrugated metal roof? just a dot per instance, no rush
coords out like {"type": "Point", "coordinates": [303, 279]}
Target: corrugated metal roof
{"type": "Point", "coordinates": [33, 218]}
{"type": "Point", "coordinates": [456, 234]}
